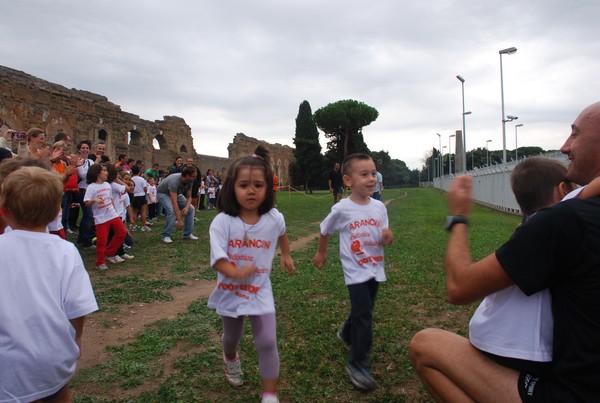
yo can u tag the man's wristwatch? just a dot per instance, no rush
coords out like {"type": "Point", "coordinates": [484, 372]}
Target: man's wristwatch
{"type": "Point", "coordinates": [452, 220]}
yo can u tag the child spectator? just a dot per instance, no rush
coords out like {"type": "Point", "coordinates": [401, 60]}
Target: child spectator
{"type": "Point", "coordinates": [202, 191]}
{"type": "Point", "coordinates": [246, 219]}
{"type": "Point", "coordinates": [120, 200]}
{"type": "Point", "coordinates": [363, 225]}
{"type": "Point", "coordinates": [99, 196]}
{"type": "Point", "coordinates": [151, 198]}
{"type": "Point", "coordinates": [45, 292]}
{"type": "Point", "coordinates": [212, 196]}
{"type": "Point", "coordinates": [139, 204]}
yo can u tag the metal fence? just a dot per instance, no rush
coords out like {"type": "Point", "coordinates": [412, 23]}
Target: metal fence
{"type": "Point", "coordinates": [491, 185]}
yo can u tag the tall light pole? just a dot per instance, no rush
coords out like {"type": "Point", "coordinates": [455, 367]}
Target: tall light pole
{"type": "Point", "coordinates": [464, 134]}
{"type": "Point", "coordinates": [507, 51]}
{"type": "Point", "coordinates": [450, 154]}
{"type": "Point", "coordinates": [443, 160]}
{"type": "Point", "coordinates": [516, 142]}
{"type": "Point", "coordinates": [440, 150]}
{"type": "Point", "coordinates": [487, 151]}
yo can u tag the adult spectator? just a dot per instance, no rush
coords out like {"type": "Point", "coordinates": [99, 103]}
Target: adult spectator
{"type": "Point", "coordinates": [557, 250]}
{"type": "Point", "coordinates": [378, 187]}
{"type": "Point", "coordinates": [336, 183]}
{"type": "Point", "coordinates": [86, 234]}
{"type": "Point", "coordinates": [154, 171]}
{"type": "Point", "coordinates": [177, 166]}
{"type": "Point", "coordinates": [99, 156]}
{"type": "Point", "coordinates": [189, 161]}
{"type": "Point", "coordinates": [175, 196]}
{"type": "Point", "coordinates": [64, 165]}
{"type": "Point", "coordinates": [123, 162]}
{"type": "Point", "coordinates": [35, 145]}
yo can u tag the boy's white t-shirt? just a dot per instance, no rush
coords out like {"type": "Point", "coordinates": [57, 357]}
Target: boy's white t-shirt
{"type": "Point", "coordinates": [105, 211]}
{"type": "Point", "coordinates": [44, 285]}
{"type": "Point", "coordinates": [252, 295]}
{"type": "Point", "coordinates": [212, 192]}
{"type": "Point", "coordinates": [508, 323]}
{"type": "Point", "coordinates": [151, 194]}
{"type": "Point", "coordinates": [361, 244]}
{"type": "Point", "coordinates": [140, 186]}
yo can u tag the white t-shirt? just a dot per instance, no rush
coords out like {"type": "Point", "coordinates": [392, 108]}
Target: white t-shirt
{"type": "Point", "coordinates": [44, 285]}
{"type": "Point", "coordinates": [119, 196]}
{"type": "Point", "coordinates": [140, 186]}
{"type": "Point", "coordinates": [510, 324]}
{"type": "Point", "coordinates": [212, 192]}
{"type": "Point", "coordinates": [105, 211]}
{"type": "Point", "coordinates": [151, 194]}
{"type": "Point", "coordinates": [361, 244]}
{"type": "Point", "coordinates": [252, 295]}
{"type": "Point", "coordinates": [82, 173]}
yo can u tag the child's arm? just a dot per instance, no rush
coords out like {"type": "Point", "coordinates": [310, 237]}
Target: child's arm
{"type": "Point", "coordinates": [130, 214]}
{"type": "Point", "coordinates": [321, 255]}
{"type": "Point", "coordinates": [591, 190]}
{"type": "Point", "coordinates": [387, 236]}
{"type": "Point", "coordinates": [228, 269]}
{"type": "Point", "coordinates": [286, 257]}
{"type": "Point", "coordinates": [90, 202]}
{"type": "Point", "coordinates": [78, 325]}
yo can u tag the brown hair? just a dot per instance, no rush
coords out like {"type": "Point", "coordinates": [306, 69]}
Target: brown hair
{"type": "Point", "coordinates": [533, 182]}
{"type": "Point", "coordinates": [32, 196]}
{"type": "Point", "coordinates": [349, 160]}
{"type": "Point", "coordinates": [33, 132]}
{"type": "Point", "coordinates": [227, 202]}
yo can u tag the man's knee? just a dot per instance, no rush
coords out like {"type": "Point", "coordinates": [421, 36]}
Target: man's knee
{"type": "Point", "coordinates": [421, 346]}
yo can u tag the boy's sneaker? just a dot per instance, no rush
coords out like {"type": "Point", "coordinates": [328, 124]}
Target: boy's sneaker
{"type": "Point", "coordinates": [167, 240]}
{"type": "Point", "coordinates": [360, 375]}
{"type": "Point", "coordinates": [270, 398]}
{"type": "Point", "coordinates": [192, 237]}
{"type": "Point", "coordinates": [146, 228]}
{"type": "Point", "coordinates": [126, 256]}
{"type": "Point", "coordinates": [115, 259]}
{"type": "Point", "coordinates": [125, 246]}
{"type": "Point", "coordinates": [233, 370]}
{"type": "Point", "coordinates": [133, 227]}
{"type": "Point", "coordinates": [69, 231]}
{"type": "Point", "coordinates": [102, 267]}
{"type": "Point", "coordinates": [339, 336]}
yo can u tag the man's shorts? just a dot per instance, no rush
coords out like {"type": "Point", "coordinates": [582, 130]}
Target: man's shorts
{"type": "Point", "coordinates": [533, 388]}
{"type": "Point", "coordinates": [138, 201]}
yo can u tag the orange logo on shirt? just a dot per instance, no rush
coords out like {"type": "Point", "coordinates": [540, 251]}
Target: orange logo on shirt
{"type": "Point", "coordinates": [356, 247]}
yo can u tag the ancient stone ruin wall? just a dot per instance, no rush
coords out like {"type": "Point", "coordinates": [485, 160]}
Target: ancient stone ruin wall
{"type": "Point", "coordinates": [27, 101]}
{"type": "Point", "coordinates": [281, 155]}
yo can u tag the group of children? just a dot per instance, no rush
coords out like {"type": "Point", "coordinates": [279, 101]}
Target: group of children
{"type": "Point", "coordinates": [243, 240]}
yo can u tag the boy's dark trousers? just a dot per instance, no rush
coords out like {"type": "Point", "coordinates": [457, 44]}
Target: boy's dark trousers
{"type": "Point", "coordinates": [151, 211]}
{"type": "Point", "coordinates": [358, 328]}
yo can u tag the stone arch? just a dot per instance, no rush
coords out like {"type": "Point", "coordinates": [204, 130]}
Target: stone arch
{"type": "Point", "coordinates": [183, 149]}
{"type": "Point", "coordinates": [160, 142]}
{"type": "Point", "coordinates": [135, 138]}
{"type": "Point", "coordinates": [101, 135]}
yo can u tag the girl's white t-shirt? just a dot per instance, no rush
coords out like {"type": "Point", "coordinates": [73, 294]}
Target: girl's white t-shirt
{"type": "Point", "coordinates": [140, 186]}
{"type": "Point", "coordinates": [118, 196]}
{"type": "Point", "coordinates": [252, 295]}
{"type": "Point", "coordinates": [151, 194]}
{"type": "Point", "coordinates": [361, 244]}
{"type": "Point", "coordinates": [104, 211]}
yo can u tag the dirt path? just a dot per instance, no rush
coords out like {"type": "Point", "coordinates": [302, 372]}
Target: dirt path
{"type": "Point", "coordinates": [108, 329]}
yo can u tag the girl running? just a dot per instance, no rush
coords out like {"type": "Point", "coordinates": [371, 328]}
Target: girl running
{"type": "Point", "coordinates": [243, 239]}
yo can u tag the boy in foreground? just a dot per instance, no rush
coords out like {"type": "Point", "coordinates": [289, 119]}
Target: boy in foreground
{"type": "Point", "coordinates": [45, 292]}
{"type": "Point", "coordinates": [363, 225]}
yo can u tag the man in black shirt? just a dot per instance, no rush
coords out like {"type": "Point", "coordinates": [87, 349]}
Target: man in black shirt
{"type": "Point", "coordinates": [336, 185]}
{"type": "Point", "coordinates": [556, 249]}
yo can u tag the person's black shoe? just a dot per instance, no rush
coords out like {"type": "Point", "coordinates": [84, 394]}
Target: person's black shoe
{"type": "Point", "coordinates": [361, 377]}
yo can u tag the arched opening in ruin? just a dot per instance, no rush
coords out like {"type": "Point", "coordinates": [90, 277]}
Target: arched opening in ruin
{"type": "Point", "coordinates": [183, 149]}
{"type": "Point", "coordinates": [159, 142]}
{"type": "Point", "coordinates": [102, 135]}
{"type": "Point", "coordinates": [135, 138]}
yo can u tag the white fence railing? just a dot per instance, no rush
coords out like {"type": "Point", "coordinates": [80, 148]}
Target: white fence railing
{"type": "Point", "coordinates": [491, 185]}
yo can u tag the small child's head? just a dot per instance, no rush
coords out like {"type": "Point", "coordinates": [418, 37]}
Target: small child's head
{"type": "Point", "coordinates": [126, 178]}
{"type": "Point", "coordinates": [31, 196]}
{"type": "Point", "coordinates": [356, 167]}
{"type": "Point", "coordinates": [539, 182]}
{"type": "Point", "coordinates": [135, 170]}
{"type": "Point", "coordinates": [150, 180]}
{"type": "Point", "coordinates": [251, 171]}
{"type": "Point", "coordinates": [113, 173]}
{"type": "Point", "coordinates": [95, 172]}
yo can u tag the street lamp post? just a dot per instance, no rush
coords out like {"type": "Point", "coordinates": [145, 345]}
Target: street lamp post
{"type": "Point", "coordinates": [450, 154]}
{"type": "Point", "coordinates": [487, 151]}
{"type": "Point", "coordinates": [516, 142]}
{"type": "Point", "coordinates": [507, 51]}
{"type": "Point", "coordinates": [443, 160]}
{"type": "Point", "coordinates": [464, 134]}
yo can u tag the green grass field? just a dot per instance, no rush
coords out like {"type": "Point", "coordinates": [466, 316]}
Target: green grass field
{"type": "Point", "coordinates": [178, 359]}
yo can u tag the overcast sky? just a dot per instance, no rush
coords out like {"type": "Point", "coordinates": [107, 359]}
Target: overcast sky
{"type": "Point", "coordinates": [246, 65]}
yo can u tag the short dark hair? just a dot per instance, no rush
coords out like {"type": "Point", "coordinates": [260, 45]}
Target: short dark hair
{"type": "Point", "coordinates": [93, 172]}
{"type": "Point", "coordinates": [89, 143]}
{"type": "Point", "coordinates": [188, 171]}
{"type": "Point", "coordinates": [60, 136]}
{"type": "Point", "coordinates": [533, 182]}
{"type": "Point", "coordinates": [135, 170]}
{"type": "Point", "coordinates": [349, 160]}
{"type": "Point", "coordinates": [227, 202]}
{"type": "Point", "coordinates": [113, 172]}
{"type": "Point", "coordinates": [121, 156]}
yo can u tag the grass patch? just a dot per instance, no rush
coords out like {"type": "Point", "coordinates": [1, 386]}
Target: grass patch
{"type": "Point", "coordinates": [179, 359]}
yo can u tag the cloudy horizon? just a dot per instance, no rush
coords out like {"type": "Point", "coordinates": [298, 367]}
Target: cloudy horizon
{"type": "Point", "coordinates": [245, 67]}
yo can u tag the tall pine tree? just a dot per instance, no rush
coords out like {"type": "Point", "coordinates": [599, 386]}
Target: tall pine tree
{"type": "Point", "coordinates": [307, 169]}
